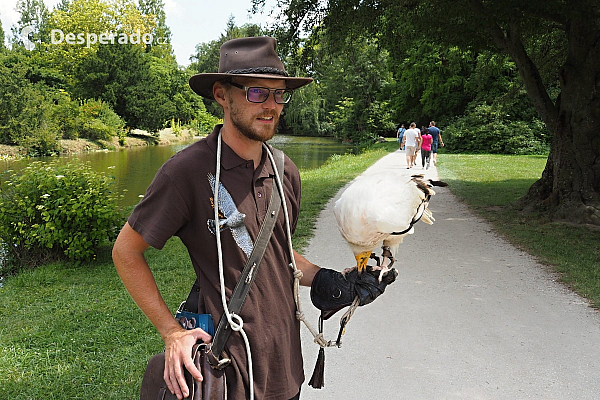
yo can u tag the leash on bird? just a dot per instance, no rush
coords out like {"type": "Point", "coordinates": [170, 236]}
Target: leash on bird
{"type": "Point", "coordinates": [350, 312]}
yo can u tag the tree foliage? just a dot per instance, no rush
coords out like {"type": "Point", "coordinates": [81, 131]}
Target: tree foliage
{"type": "Point", "coordinates": [62, 90]}
{"type": "Point", "coordinates": [350, 99]}
{"type": "Point", "coordinates": [95, 17]}
{"type": "Point", "coordinates": [486, 129]}
{"type": "Point", "coordinates": [116, 74]}
{"type": "Point", "coordinates": [2, 37]}
{"type": "Point", "coordinates": [34, 14]}
{"type": "Point", "coordinates": [38, 112]}
{"type": "Point", "coordinates": [555, 46]}
{"type": "Point", "coordinates": [161, 47]}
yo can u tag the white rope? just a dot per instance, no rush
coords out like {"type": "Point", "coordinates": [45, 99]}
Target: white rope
{"type": "Point", "coordinates": [238, 324]}
{"type": "Point", "coordinates": [318, 337]}
{"type": "Point", "coordinates": [235, 321]}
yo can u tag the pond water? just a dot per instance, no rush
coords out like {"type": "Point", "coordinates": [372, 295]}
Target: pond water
{"type": "Point", "coordinates": [135, 167]}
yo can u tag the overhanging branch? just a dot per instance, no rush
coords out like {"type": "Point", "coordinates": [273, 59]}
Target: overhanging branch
{"type": "Point", "coordinates": [510, 42]}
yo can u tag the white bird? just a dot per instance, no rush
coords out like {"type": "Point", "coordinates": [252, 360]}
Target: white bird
{"type": "Point", "coordinates": [382, 207]}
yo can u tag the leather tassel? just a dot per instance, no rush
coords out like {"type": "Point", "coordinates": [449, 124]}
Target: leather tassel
{"type": "Point", "coordinates": [317, 380]}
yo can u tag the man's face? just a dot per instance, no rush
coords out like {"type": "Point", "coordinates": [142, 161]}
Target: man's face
{"type": "Point", "coordinates": [256, 121]}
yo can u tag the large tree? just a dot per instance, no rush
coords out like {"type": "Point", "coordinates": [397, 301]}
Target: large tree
{"type": "Point", "coordinates": [555, 45]}
{"type": "Point", "coordinates": [119, 17]}
{"type": "Point", "coordinates": [161, 33]}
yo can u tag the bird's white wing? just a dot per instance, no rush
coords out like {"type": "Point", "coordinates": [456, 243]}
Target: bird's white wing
{"type": "Point", "coordinates": [399, 206]}
{"type": "Point", "coordinates": [354, 216]}
{"type": "Point", "coordinates": [375, 205]}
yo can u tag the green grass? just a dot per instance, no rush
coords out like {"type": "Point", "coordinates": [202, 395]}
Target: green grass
{"type": "Point", "coordinates": [489, 184]}
{"type": "Point", "coordinates": [72, 332]}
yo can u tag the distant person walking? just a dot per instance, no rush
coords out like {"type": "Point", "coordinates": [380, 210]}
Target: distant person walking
{"type": "Point", "coordinates": [400, 135]}
{"type": "Point", "coordinates": [427, 140]}
{"type": "Point", "coordinates": [411, 142]}
{"type": "Point", "coordinates": [437, 140]}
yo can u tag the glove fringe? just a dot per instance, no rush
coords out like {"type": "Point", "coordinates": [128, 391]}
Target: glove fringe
{"type": "Point", "coordinates": [317, 380]}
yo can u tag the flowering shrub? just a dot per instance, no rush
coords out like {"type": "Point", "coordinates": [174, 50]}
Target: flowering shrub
{"type": "Point", "coordinates": [50, 211]}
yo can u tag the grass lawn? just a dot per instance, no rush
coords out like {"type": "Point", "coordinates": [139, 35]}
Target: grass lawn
{"type": "Point", "coordinates": [72, 332]}
{"type": "Point", "coordinates": [490, 183]}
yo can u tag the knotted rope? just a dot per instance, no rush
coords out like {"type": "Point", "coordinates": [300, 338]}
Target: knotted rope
{"type": "Point", "coordinates": [318, 336]}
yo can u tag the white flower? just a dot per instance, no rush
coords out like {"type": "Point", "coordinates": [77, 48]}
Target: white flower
{"type": "Point", "coordinates": [45, 196]}
{"type": "Point", "coordinates": [59, 176]}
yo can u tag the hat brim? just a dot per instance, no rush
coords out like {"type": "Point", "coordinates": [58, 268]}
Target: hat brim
{"type": "Point", "coordinates": [202, 84]}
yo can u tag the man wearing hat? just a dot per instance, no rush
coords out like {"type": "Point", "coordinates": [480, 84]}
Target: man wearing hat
{"type": "Point", "coordinates": [252, 87]}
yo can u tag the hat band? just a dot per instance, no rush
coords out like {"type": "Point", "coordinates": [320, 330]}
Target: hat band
{"type": "Point", "coordinates": [259, 70]}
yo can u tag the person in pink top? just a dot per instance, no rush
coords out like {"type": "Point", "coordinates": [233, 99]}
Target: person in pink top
{"type": "Point", "coordinates": [427, 139]}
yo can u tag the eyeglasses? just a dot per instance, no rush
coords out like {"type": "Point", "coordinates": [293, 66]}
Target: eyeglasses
{"type": "Point", "coordinates": [261, 94]}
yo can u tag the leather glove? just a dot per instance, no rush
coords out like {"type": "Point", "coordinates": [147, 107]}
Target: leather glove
{"type": "Point", "coordinates": [331, 290]}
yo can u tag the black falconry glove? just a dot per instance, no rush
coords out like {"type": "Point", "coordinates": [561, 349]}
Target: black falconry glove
{"type": "Point", "coordinates": [331, 291]}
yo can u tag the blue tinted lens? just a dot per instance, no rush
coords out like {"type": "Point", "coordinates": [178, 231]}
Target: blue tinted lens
{"type": "Point", "coordinates": [257, 94]}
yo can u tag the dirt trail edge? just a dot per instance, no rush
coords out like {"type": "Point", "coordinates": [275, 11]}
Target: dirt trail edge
{"type": "Point", "coordinates": [470, 317]}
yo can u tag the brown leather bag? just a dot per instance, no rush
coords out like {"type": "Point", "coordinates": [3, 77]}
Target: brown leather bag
{"type": "Point", "coordinates": [213, 386]}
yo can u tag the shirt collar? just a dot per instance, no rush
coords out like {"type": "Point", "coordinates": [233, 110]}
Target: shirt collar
{"type": "Point", "coordinates": [230, 159]}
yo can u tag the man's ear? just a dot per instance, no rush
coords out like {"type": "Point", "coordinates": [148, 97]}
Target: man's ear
{"type": "Point", "coordinates": [219, 93]}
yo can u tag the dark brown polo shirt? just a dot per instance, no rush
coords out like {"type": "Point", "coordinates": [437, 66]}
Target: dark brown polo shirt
{"type": "Point", "coordinates": [179, 202]}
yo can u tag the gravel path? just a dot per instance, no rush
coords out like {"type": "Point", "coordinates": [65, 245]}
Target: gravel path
{"type": "Point", "coordinates": [470, 317]}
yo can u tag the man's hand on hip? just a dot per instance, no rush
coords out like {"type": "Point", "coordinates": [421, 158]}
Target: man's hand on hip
{"type": "Point", "coordinates": [178, 355]}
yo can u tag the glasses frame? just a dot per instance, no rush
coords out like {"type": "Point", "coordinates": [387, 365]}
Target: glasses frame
{"type": "Point", "coordinates": [247, 88]}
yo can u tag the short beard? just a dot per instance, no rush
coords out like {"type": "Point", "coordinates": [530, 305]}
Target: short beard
{"type": "Point", "coordinates": [247, 130]}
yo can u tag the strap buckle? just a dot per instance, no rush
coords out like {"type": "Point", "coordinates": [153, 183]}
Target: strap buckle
{"type": "Point", "coordinates": [214, 361]}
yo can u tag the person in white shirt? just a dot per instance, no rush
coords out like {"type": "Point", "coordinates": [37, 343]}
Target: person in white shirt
{"type": "Point", "coordinates": [411, 142]}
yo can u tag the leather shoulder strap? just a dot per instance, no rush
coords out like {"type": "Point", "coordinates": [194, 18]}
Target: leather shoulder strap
{"type": "Point", "coordinates": [244, 283]}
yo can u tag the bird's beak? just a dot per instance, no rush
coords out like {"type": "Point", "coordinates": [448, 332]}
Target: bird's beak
{"type": "Point", "coordinates": [361, 260]}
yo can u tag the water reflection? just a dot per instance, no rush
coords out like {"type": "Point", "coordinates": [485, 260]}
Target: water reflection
{"type": "Point", "coordinates": [308, 152]}
{"type": "Point", "coordinates": [135, 167]}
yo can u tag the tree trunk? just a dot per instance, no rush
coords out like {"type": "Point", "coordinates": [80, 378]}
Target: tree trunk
{"type": "Point", "coordinates": [569, 188]}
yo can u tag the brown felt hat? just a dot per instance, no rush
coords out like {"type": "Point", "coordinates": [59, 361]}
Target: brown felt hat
{"type": "Point", "coordinates": [252, 57]}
